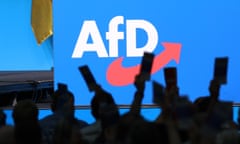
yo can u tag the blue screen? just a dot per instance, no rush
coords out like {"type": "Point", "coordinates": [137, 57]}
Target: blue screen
{"type": "Point", "coordinates": [19, 50]}
{"type": "Point", "coordinates": [110, 37]}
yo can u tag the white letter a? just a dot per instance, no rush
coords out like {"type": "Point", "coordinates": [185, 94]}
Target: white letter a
{"type": "Point", "coordinates": [89, 28]}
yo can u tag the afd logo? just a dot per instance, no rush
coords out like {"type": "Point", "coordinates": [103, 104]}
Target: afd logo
{"type": "Point", "coordinates": [117, 74]}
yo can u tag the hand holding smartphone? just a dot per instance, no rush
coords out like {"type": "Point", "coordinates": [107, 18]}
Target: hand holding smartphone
{"type": "Point", "coordinates": [146, 65]}
{"type": "Point", "coordinates": [220, 69]}
{"type": "Point", "coordinates": [170, 76]}
{"type": "Point", "coordinates": [88, 77]}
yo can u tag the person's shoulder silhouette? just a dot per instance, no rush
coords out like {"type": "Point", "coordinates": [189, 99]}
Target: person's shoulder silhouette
{"type": "Point", "coordinates": [62, 107]}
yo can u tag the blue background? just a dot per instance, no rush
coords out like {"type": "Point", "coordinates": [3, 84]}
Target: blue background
{"type": "Point", "coordinates": [206, 29]}
{"type": "Point", "coordinates": [19, 50]}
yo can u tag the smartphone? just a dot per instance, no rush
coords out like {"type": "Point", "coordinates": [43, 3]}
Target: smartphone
{"type": "Point", "coordinates": [220, 69]}
{"type": "Point", "coordinates": [170, 76]}
{"type": "Point", "coordinates": [158, 93]}
{"type": "Point", "coordinates": [146, 65]}
{"type": "Point", "coordinates": [88, 77]}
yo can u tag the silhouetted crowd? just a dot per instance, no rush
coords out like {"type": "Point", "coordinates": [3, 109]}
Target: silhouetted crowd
{"type": "Point", "coordinates": [207, 120]}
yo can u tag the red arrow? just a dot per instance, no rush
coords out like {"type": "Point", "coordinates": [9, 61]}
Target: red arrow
{"type": "Point", "coordinates": [119, 75]}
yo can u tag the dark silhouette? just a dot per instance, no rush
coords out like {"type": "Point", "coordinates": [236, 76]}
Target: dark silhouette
{"type": "Point", "coordinates": [204, 103]}
{"type": "Point", "coordinates": [26, 126]}
{"type": "Point", "coordinates": [105, 112]}
{"type": "Point", "coordinates": [144, 132]}
{"type": "Point", "coordinates": [3, 118]}
{"type": "Point", "coordinates": [7, 135]}
{"type": "Point", "coordinates": [63, 109]}
{"type": "Point", "coordinates": [207, 120]}
{"type": "Point", "coordinates": [67, 133]}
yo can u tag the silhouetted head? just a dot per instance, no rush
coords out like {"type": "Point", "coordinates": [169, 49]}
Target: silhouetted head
{"type": "Point", "coordinates": [26, 128]}
{"type": "Point", "coordinates": [101, 100]}
{"type": "Point", "coordinates": [25, 111]}
{"type": "Point", "coordinates": [62, 101]}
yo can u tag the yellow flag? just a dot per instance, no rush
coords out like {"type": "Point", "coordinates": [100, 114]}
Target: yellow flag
{"type": "Point", "coordinates": [41, 19]}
